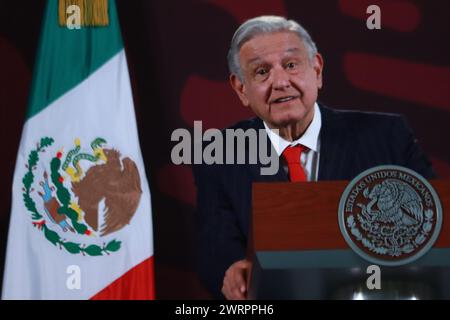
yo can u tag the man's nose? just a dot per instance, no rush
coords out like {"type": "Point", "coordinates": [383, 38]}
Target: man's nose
{"type": "Point", "coordinates": [281, 79]}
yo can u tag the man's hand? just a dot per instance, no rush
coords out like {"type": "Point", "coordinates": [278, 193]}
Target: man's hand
{"type": "Point", "coordinates": [235, 280]}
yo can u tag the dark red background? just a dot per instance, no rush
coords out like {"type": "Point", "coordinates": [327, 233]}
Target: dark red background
{"type": "Point", "coordinates": [177, 59]}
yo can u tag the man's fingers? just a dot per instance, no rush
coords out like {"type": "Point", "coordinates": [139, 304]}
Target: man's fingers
{"type": "Point", "coordinates": [227, 287]}
{"type": "Point", "coordinates": [239, 279]}
{"type": "Point", "coordinates": [234, 284]}
{"type": "Point", "coordinates": [242, 264]}
{"type": "Point", "coordinates": [240, 274]}
{"type": "Point", "coordinates": [237, 294]}
{"type": "Point", "coordinates": [245, 266]}
{"type": "Point", "coordinates": [232, 293]}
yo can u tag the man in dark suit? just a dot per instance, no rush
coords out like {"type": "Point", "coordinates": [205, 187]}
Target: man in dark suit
{"type": "Point", "coordinates": [277, 72]}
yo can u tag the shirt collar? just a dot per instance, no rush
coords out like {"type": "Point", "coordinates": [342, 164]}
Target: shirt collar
{"type": "Point", "coordinates": [309, 139]}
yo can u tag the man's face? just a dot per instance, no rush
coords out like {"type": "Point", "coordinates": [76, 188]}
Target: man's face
{"type": "Point", "coordinates": [280, 82]}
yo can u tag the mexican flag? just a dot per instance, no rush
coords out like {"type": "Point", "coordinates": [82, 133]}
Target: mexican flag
{"type": "Point", "coordinates": [81, 223]}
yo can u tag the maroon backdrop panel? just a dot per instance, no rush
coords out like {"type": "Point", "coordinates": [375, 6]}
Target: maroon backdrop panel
{"type": "Point", "coordinates": [177, 59]}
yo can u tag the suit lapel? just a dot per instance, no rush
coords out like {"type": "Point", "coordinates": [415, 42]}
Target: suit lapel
{"type": "Point", "coordinates": [334, 154]}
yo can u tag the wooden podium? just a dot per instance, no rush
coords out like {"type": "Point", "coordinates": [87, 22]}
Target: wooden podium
{"type": "Point", "coordinates": [298, 251]}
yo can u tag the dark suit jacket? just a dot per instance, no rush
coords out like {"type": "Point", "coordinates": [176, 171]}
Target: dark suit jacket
{"type": "Point", "coordinates": [350, 142]}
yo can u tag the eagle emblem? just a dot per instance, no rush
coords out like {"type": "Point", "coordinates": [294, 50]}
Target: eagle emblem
{"type": "Point", "coordinates": [390, 215]}
{"type": "Point", "coordinates": [86, 193]}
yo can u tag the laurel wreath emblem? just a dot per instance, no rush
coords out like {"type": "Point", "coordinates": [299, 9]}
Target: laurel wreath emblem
{"type": "Point", "coordinates": [374, 245]}
{"type": "Point", "coordinates": [64, 199]}
{"type": "Point", "coordinates": [411, 237]}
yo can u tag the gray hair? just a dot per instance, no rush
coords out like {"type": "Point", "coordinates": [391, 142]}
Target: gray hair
{"type": "Point", "coordinates": [260, 25]}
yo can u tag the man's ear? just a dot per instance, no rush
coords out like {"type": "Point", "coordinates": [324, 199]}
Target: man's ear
{"type": "Point", "coordinates": [318, 67]}
{"type": "Point", "coordinates": [239, 88]}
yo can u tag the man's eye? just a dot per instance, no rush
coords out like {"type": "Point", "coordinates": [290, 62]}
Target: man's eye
{"type": "Point", "coordinates": [261, 72]}
{"type": "Point", "coordinates": [291, 65]}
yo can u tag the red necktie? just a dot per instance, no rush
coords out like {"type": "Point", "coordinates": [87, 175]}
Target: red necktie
{"type": "Point", "coordinates": [292, 157]}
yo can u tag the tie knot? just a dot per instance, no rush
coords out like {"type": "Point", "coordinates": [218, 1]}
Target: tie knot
{"type": "Point", "coordinates": [292, 153]}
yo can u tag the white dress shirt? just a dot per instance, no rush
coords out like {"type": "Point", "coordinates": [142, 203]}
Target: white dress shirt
{"type": "Point", "coordinates": [309, 159]}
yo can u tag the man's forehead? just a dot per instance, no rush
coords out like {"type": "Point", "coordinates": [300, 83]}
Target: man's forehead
{"type": "Point", "coordinates": [284, 42]}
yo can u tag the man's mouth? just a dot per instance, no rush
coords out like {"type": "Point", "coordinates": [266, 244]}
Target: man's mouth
{"type": "Point", "coordinates": [284, 99]}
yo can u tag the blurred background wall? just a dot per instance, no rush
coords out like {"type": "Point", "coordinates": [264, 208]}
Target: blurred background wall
{"type": "Point", "coordinates": [177, 59]}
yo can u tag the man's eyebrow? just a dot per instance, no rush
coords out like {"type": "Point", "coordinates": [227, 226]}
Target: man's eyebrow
{"type": "Point", "coordinates": [295, 49]}
{"type": "Point", "coordinates": [253, 60]}
{"type": "Point", "coordinates": [258, 59]}
{"type": "Point", "coordinates": [290, 50]}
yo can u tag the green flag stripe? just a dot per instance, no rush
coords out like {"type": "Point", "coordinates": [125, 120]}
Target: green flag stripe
{"type": "Point", "coordinates": [66, 57]}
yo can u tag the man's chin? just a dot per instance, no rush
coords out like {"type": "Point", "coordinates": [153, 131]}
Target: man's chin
{"type": "Point", "coordinates": [285, 121]}
{"type": "Point", "coordinates": [289, 117]}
